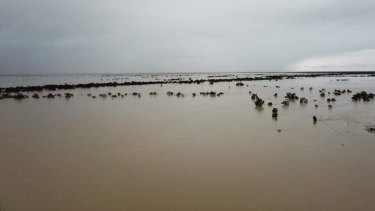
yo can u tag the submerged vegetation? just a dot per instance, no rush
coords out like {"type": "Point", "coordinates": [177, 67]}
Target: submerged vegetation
{"type": "Point", "coordinates": [290, 98]}
{"type": "Point", "coordinates": [259, 102]}
{"type": "Point", "coordinates": [239, 80]}
{"type": "Point", "coordinates": [363, 96]}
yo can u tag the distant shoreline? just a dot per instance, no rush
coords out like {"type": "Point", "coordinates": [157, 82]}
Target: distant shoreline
{"type": "Point", "coordinates": [187, 73]}
{"type": "Point", "coordinates": [279, 76]}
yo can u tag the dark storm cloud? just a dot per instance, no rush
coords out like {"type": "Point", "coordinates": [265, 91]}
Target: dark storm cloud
{"type": "Point", "coordinates": [83, 36]}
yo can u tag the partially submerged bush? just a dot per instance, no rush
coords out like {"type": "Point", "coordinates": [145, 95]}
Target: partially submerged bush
{"type": "Point", "coordinates": [363, 95]}
{"type": "Point", "coordinates": [274, 113]}
{"type": "Point", "coordinates": [285, 103]}
{"type": "Point", "coordinates": [303, 100]}
{"type": "Point", "coordinates": [259, 102]}
{"type": "Point", "coordinates": [291, 96]}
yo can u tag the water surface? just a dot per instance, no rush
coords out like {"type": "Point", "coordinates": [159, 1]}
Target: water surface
{"type": "Point", "coordinates": [202, 153]}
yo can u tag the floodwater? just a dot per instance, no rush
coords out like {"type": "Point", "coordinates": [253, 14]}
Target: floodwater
{"type": "Point", "coordinates": [190, 153]}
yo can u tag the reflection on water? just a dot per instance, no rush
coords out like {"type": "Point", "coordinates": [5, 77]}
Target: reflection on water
{"type": "Point", "coordinates": [190, 153]}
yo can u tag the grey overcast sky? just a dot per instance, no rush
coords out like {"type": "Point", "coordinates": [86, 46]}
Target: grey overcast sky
{"type": "Point", "coordinates": [110, 36]}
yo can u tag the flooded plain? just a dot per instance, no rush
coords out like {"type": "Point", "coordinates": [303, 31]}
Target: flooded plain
{"type": "Point", "coordinates": [165, 152]}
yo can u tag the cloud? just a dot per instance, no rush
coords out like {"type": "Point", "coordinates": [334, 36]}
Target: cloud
{"type": "Point", "coordinates": [113, 36]}
{"type": "Point", "coordinates": [363, 60]}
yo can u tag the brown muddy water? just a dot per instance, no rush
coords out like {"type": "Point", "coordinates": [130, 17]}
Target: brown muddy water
{"type": "Point", "coordinates": [202, 153]}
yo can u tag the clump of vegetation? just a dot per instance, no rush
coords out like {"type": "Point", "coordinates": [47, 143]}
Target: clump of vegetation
{"type": "Point", "coordinates": [303, 100]}
{"type": "Point", "coordinates": [179, 94]}
{"type": "Point", "coordinates": [363, 95]}
{"type": "Point", "coordinates": [370, 128]}
{"type": "Point", "coordinates": [291, 96]}
{"type": "Point", "coordinates": [68, 95]}
{"type": "Point", "coordinates": [259, 102]}
{"type": "Point", "coordinates": [169, 93]}
{"type": "Point", "coordinates": [331, 100]}
{"type": "Point", "coordinates": [134, 94]}
{"type": "Point", "coordinates": [19, 96]}
{"type": "Point", "coordinates": [275, 113]}
{"type": "Point", "coordinates": [285, 103]}
{"type": "Point", "coordinates": [239, 84]}
{"type": "Point", "coordinates": [322, 92]}
{"type": "Point", "coordinates": [211, 93]}
{"type": "Point", "coordinates": [339, 92]}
